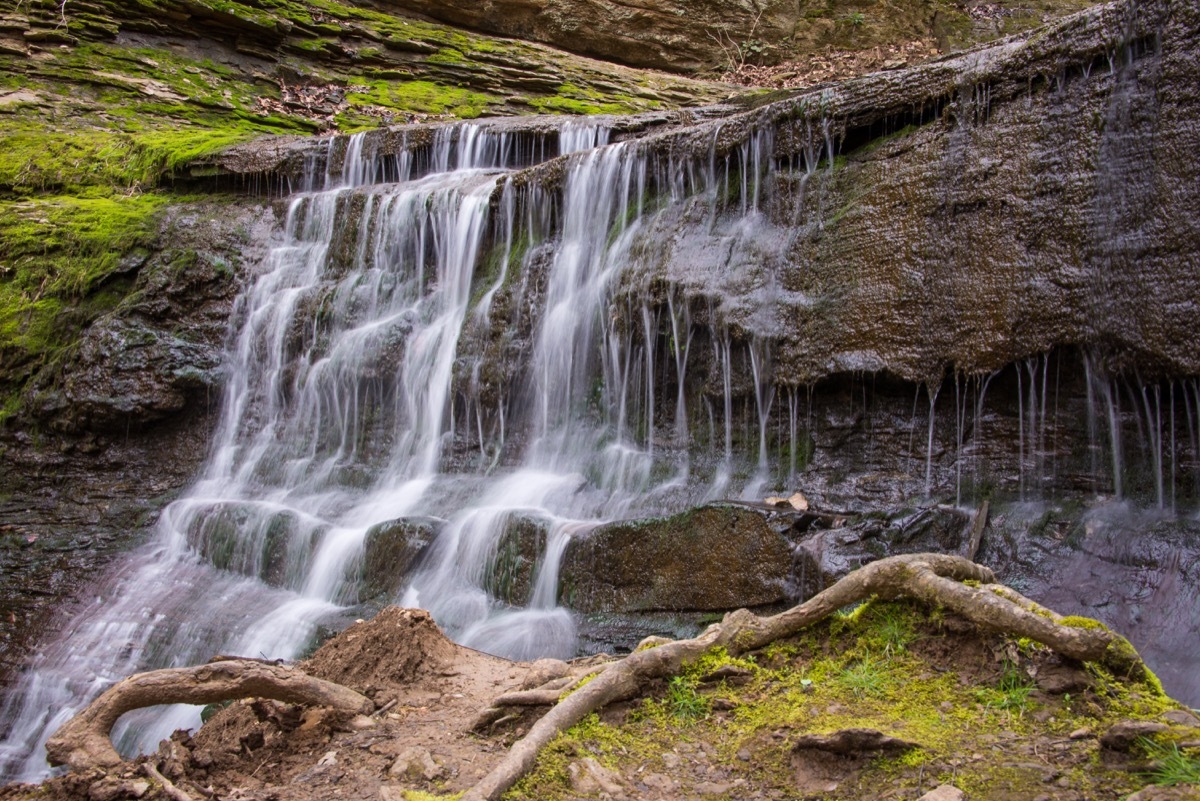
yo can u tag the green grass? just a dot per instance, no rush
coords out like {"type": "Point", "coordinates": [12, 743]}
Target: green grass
{"type": "Point", "coordinates": [867, 677]}
{"type": "Point", "coordinates": [1011, 692]}
{"type": "Point", "coordinates": [1172, 766]}
{"type": "Point", "coordinates": [683, 700]}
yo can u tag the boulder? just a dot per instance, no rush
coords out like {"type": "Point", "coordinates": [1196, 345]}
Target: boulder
{"type": "Point", "coordinates": [719, 556]}
{"type": "Point", "coordinates": [390, 550]}
{"type": "Point", "coordinates": [510, 575]}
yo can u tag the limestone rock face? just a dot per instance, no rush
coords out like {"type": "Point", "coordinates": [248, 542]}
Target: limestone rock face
{"type": "Point", "coordinates": [158, 353]}
{"type": "Point", "coordinates": [662, 34]}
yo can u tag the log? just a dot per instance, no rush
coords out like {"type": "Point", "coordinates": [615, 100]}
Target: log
{"type": "Point", "coordinates": [84, 741]}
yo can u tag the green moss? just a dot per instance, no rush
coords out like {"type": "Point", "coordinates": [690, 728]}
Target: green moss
{"type": "Point", "coordinates": [425, 97]}
{"type": "Point", "coordinates": [57, 251]}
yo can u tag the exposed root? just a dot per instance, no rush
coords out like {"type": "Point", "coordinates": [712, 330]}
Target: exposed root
{"type": "Point", "coordinates": [936, 579]}
{"type": "Point", "coordinates": [547, 694]}
{"type": "Point", "coordinates": [83, 742]}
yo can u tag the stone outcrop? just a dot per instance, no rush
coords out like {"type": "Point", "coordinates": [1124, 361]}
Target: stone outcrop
{"type": "Point", "coordinates": [972, 212]}
{"type": "Point", "coordinates": [690, 36]}
{"type": "Point", "coordinates": [158, 353]}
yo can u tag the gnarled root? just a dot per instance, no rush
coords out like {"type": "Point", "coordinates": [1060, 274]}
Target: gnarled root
{"type": "Point", "coordinates": [936, 579]}
{"type": "Point", "coordinates": [84, 742]}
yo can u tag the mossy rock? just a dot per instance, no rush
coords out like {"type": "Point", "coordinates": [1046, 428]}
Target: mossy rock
{"type": "Point", "coordinates": [390, 550]}
{"type": "Point", "coordinates": [510, 575]}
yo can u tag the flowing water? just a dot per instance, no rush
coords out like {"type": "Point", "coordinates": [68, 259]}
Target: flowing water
{"type": "Point", "coordinates": [439, 336]}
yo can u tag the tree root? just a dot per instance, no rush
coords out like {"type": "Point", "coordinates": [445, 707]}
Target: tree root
{"type": "Point", "coordinates": [936, 579]}
{"type": "Point", "coordinates": [84, 742]}
{"type": "Point", "coordinates": [940, 580]}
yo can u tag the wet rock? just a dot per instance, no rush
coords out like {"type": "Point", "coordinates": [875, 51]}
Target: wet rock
{"type": "Point", "coordinates": [252, 540]}
{"type": "Point", "coordinates": [389, 552]}
{"type": "Point", "coordinates": [715, 557]}
{"type": "Point", "coordinates": [159, 352]}
{"type": "Point", "coordinates": [826, 555]}
{"type": "Point", "coordinates": [510, 575]}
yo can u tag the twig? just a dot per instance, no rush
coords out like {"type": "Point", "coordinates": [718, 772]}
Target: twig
{"type": "Point", "coordinates": [168, 786]}
{"type": "Point", "coordinates": [384, 708]}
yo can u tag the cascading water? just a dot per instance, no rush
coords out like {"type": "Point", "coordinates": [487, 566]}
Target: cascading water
{"type": "Point", "coordinates": [339, 404]}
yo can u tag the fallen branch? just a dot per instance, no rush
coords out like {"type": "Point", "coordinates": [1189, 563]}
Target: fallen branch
{"type": "Point", "coordinates": [977, 527]}
{"type": "Point", "coordinates": [84, 741]}
{"type": "Point", "coordinates": [936, 579]}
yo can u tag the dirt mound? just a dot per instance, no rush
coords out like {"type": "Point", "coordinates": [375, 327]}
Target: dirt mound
{"type": "Point", "coordinates": [396, 647]}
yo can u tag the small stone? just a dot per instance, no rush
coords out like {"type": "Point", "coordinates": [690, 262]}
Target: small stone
{"type": "Point", "coordinates": [1081, 733]}
{"type": "Point", "coordinates": [743, 754]}
{"type": "Point", "coordinates": [362, 722]}
{"type": "Point", "coordinates": [670, 760]}
{"type": "Point", "coordinates": [1124, 734]}
{"type": "Point", "coordinates": [330, 758]}
{"type": "Point", "coordinates": [713, 788]}
{"type": "Point", "coordinates": [943, 792]}
{"type": "Point", "coordinates": [415, 762]}
{"type": "Point", "coordinates": [138, 789]}
{"type": "Point", "coordinates": [1182, 717]}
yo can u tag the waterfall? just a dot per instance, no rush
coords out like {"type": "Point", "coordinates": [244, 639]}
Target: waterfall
{"type": "Point", "coordinates": [349, 395]}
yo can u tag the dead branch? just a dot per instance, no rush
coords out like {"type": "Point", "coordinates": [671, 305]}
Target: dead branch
{"type": "Point", "coordinates": [977, 527]}
{"type": "Point", "coordinates": [83, 742]}
{"type": "Point", "coordinates": [936, 579]}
